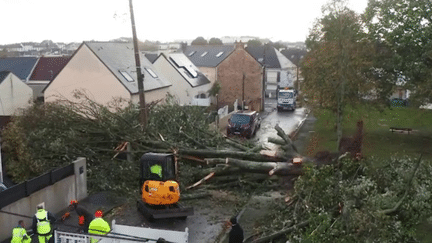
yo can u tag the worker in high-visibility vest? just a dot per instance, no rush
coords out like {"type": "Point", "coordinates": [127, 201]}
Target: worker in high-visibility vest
{"type": "Point", "coordinates": [98, 226]}
{"type": "Point", "coordinates": [19, 234]}
{"type": "Point", "coordinates": [42, 225]}
{"type": "Point", "coordinates": [156, 169]}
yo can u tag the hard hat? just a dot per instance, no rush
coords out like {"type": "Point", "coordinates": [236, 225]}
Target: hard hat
{"type": "Point", "coordinates": [98, 214]}
{"type": "Point", "coordinates": [72, 202]}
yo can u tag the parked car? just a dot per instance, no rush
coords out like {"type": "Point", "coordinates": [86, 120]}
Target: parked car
{"type": "Point", "coordinates": [244, 123]}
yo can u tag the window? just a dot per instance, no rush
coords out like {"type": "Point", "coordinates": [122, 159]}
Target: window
{"type": "Point", "coordinates": [190, 54]}
{"type": "Point", "coordinates": [153, 74]}
{"type": "Point", "coordinates": [205, 53]}
{"type": "Point", "coordinates": [260, 59]}
{"type": "Point", "coordinates": [219, 54]}
{"type": "Point", "coordinates": [192, 72]}
{"type": "Point", "coordinates": [126, 76]}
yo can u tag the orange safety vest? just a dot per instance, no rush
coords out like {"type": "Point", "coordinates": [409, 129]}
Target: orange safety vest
{"type": "Point", "coordinates": [81, 220]}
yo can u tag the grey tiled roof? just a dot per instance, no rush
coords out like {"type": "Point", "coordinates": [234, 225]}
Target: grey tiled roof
{"type": "Point", "coordinates": [210, 59]}
{"type": "Point", "coordinates": [271, 59]}
{"type": "Point", "coordinates": [3, 75]}
{"type": "Point", "coordinates": [20, 66]}
{"type": "Point", "coordinates": [151, 57]}
{"type": "Point", "coordinates": [120, 57]}
{"type": "Point", "coordinates": [187, 69]}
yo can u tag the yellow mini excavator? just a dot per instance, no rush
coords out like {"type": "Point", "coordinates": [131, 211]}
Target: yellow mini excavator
{"type": "Point", "coordinates": [159, 188]}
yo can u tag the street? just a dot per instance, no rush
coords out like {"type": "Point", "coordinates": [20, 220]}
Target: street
{"type": "Point", "coordinates": [287, 120]}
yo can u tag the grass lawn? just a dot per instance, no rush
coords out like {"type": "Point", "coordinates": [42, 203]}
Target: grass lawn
{"type": "Point", "coordinates": [378, 140]}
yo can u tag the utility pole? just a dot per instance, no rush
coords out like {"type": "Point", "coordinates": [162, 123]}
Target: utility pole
{"type": "Point", "coordinates": [264, 81]}
{"type": "Point", "coordinates": [243, 95]}
{"type": "Point", "coordinates": [140, 76]}
{"type": "Point", "coordinates": [1, 166]}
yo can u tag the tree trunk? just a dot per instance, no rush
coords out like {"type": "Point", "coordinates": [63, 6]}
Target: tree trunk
{"type": "Point", "coordinates": [271, 168]}
{"type": "Point", "coordinates": [233, 154]}
{"type": "Point", "coordinates": [279, 234]}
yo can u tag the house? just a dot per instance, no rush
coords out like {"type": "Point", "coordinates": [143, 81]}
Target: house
{"type": "Point", "coordinates": [45, 71]}
{"type": "Point", "coordinates": [238, 73]}
{"type": "Point", "coordinates": [208, 57]}
{"type": "Point", "coordinates": [104, 71]}
{"type": "Point", "coordinates": [14, 94]}
{"type": "Point", "coordinates": [189, 85]}
{"type": "Point", "coordinates": [241, 78]}
{"type": "Point", "coordinates": [279, 69]}
{"type": "Point", "coordinates": [20, 66]}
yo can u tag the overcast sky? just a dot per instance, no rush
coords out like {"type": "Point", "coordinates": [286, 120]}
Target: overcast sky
{"type": "Point", "coordinates": [163, 20]}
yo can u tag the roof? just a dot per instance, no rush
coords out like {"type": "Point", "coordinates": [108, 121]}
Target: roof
{"type": "Point", "coordinates": [20, 66]}
{"type": "Point", "coordinates": [48, 67]}
{"type": "Point", "coordinates": [187, 69]}
{"type": "Point", "coordinates": [3, 75]}
{"type": "Point", "coordinates": [271, 59]}
{"type": "Point", "coordinates": [294, 55]}
{"type": "Point", "coordinates": [119, 58]}
{"type": "Point", "coordinates": [151, 57]}
{"type": "Point", "coordinates": [208, 55]}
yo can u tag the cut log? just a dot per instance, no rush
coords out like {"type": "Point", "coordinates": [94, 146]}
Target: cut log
{"type": "Point", "coordinates": [277, 168]}
{"type": "Point", "coordinates": [285, 137]}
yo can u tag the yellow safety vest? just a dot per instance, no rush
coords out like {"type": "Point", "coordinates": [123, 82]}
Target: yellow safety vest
{"type": "Point", "coordinates": [99, 226]}
{"type": "Point", "coordinates": [43, 224]}
{"type": "Point", "coordinates": [18, 234]}
{"type": "Point", "coordinates": [156, 169]}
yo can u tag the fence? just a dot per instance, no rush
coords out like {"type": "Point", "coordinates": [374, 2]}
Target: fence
{"type": "Point", "coordinates": [53, 190]}
{"type": "Point", "coordinates": [26, 188]}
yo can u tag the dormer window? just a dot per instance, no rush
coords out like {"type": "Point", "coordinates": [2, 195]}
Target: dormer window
{"type": "Point", "coordinates": [153, 74]}
{"type": "Point", "coordinates": [205, 53]}
{"type": "Point", "coordinates": [219, 54]}
{"type": "Point", "coordinates": [126, 76]}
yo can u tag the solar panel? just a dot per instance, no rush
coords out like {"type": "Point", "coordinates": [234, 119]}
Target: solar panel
{"type": "Point", "coordinates": [192, 72]}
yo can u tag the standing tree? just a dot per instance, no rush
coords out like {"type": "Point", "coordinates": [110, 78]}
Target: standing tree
{"type": "Point", "coordinates": [337, 67]}
{"type": "Point", "coordinates": [215, 41]}
{"type": "Point", "coordinates": [404, 27]}
{"type": "Point", "coordinates": [278, 45]}
{"type": "Point", "coordinates": [254, 42]}
{"type": "Point", "coordinates": [199, 41]}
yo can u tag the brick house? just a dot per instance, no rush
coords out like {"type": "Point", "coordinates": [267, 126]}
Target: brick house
{"type": "Point", "coordinates": [241, 75]}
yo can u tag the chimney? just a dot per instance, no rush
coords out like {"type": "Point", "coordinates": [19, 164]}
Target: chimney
{"type": "Point", "coordinates": [239, 44]}
{"type": "Point", "coordinates": [183, 46]}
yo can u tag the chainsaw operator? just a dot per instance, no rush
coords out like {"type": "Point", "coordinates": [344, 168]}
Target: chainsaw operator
{"type": "Point", "coordinates": [84, 217]}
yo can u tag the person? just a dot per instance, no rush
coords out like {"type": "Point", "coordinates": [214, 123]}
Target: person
{"type": "Point", "coordinates": [84, 217]}
{"type": "Point", "coordinates": [42, 225]}
{"type": "Point", "coordinates": [98, 226]}
{"type": "Point", "coordinates": [156, 169]}
{"type": "Point", "coordinates": [19, 234]}
{"type": "Point", "coordinates": [236, 233]}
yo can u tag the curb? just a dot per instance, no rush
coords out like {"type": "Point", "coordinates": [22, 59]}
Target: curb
{"type": "Point", "coordinates": [293, 135]}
